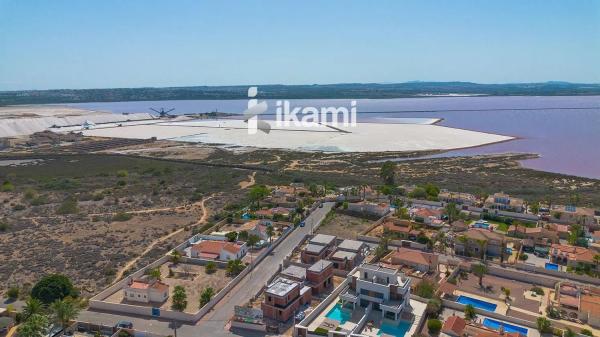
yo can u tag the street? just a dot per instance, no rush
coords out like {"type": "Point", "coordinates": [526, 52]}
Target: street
{"type": "Point", "coordinates": [213, 323]}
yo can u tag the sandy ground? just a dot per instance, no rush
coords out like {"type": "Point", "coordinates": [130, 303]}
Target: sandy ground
{"type": "Point", "coordinates": [365, 137]}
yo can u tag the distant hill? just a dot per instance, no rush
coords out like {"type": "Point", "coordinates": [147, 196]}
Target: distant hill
{"type": "Point", "coordinates": [347, 90]}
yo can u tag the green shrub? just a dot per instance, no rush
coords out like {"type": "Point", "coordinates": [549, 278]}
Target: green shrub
{"type": "Point", "coordinates": [122, 173]}
{"type": "Point", "coordinates": [434, 325]}
{"type": "Point", "coordinates": [321, 331]}
{"type": "Point", "coordinates": [68, 206]}
{"type": "Point", "coordinates": [538, 291]}
{"type": "Point", "coordinates": [523, 257]}
{"type": "Point", "coordinates": [122, 216]}
{"type": "Point", "coordinates": [7, 186]}
{"type": "Point", "coordinates": [4, 226]}
{"type": "Point", "coordinates": [12, 293]}
{"type": "Point", "coordinates": [53, 287]}
{"type": "Point", "coordinates": [586, 332]}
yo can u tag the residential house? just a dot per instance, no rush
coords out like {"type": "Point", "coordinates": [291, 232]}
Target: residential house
{"type": "Point", "coordinates": [478, 241]}
{"type": "Point", "coordinates": [343, 260]}
{"type": "Point", "coordinates": [587, 217]}
{"type": "Point", "coordinates": [572, 255]}
{"type": "Point", "coordinates": [384, 289]}
{"type": "Point", "coordinates": [561, 230]}
{"type": "Point", "coordinates": [459, 226]}
{"type": "Point", "coordinates": [369, 208]}
{"type": "Point", "coordinates": [428, 216]}
{"type": "Point", "coordinates": [353, 246]}
{"type": "Point", "coordinates": [313, 253]}
{"type": "Point", "coordinates": [319, 276]}
{"type": "Point", "coordinates": [273, 212]}
{"type": "Point", "coordinates": [538, 236]}
{"type": "Point", "coordinates": [454, 326]}
{"type": "Point", "coordinates": [403, 229]}
{"type": "Point", "coordinates": [504, 202]}
{"type": "Point", "coordinates": [283, 297]}
{"type": "Point", "coordinates": [416, 259]}
{"type": "Point", "coordinates": [589, 308]}
{"type": "Point", "coordinates": [218, 250]}
{"type": "Point", "coordinates": [146, 290]}
{"type": "Point", "coordinates": [318, 247]}
{"type": "Point", "coordinates": [259, 228]}
{"type": "Point", "coordinates": [596, 236]}
{"type": "Point", "coordinates": [294, 273]}
{"type": "Point", "coordinates": [457, 198]}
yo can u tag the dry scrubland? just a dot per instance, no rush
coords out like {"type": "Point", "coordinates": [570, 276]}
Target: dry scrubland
{"type": "Point", "coordinates": [92, 244]}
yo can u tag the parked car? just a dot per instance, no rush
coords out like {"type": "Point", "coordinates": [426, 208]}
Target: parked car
{"type": "Point", "coordinates": [302, 223]}
{"type": "Point", "coordinates": [300, 316]}
{"type": "Point", "coordinates": [124, 324]}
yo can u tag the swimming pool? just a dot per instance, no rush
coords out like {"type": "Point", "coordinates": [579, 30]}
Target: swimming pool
{"type": "Point", "coordinates": [338, 314]}
{"type": "Point", "coordinates": [476, 303]}
{"type": "Point", "coordinates": [551, 266]}
{"type": "Point", "coordinates": [394, 330]}
{"type": "Point", "coordinates": [496, 325]}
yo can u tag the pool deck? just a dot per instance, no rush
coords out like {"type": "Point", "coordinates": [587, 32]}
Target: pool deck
{"type": "Point", "coordinates": [418, 311]}
{"type": "Point", "coordinates": [501, 307]}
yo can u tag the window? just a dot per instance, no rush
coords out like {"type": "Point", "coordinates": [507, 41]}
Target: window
{"type": "Point", "coordinates": [366, 275]}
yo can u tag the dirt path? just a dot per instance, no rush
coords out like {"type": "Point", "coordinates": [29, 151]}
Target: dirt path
{"type": "Point", "coordinates": [251, 181]}
{"type": "Point", "coordinates": [153, 244]}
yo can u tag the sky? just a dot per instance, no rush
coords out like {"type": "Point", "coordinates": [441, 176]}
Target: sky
{"type": "Point", "coordinates": [136, 43]}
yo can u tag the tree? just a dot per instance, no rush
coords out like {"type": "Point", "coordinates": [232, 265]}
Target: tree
{"type": "Point", "coordinates": [534, 208]}
{"type": "Point", "coordinates": [506, 292]}
{"type": "Point", "coordinates": [257, 193]}
{"type": "Point", "coordinates": [234, 267]}
{"type": "Point", "coordinates": [210, 267]}
{"type": "Point", "coordinates": [451, 212]}
{"type": "Point", "coordinates": [175, 257]}
{"type": "Point", "coordinates": [434, 306]}
{"type": "Point", "coordinates": [63, 311]}
{"type": "Point", "coordinates": [425, 289]}
{"type": "Point", "coordinates": [206, 295]}
{"type": "Point", "coordinates": [382, 248]}
{"type": "Point", "coordinates": [387, 172]}
{"type": "Point", "coordinates": [543, 324]}
{"type": "Point", "coordinates": [35, 326]}
{"type": "Point", "coordinates": [479, 270]}
{"type": "Point", "coordinates": [434, 325]}
{"type": "Point", "coordinates": [470, 313]}
{"type": "Point", "coordinates": [432, 191]}
{"type": "Point", "coordinates": [270, 232]}
{"type": "Point", "coordinates": [179, 298]}
{"type": "Point", "coordinates": [53, 287]}
{"type": "Point", "coordinates": [418, 193]}
{"type": "Point", "coordinates": [231, 236]}
{"type": "Point", "coordinates": [33, 306]}
{"type": "Point", "coordinates": [155, 273]}
{"type": "Point", "coordinates": [243, 236]}
{"type": "Point", "coordinates": [253, 239]}
{"type": "Point", "coordinates": [68, 206]}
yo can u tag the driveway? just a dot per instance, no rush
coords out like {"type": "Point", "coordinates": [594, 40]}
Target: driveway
{"type": "Point", "coordinates": [214, 322]}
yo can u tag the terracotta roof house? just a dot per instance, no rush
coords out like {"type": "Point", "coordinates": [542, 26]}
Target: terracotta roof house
{"type": "Point", "coordinates": [478, 241]}
{"type": "Point", "coordinates": [402, 228]}
{"type": "Point", "coordinates": [426, 215]}
{"type": "Point", "coordinates": [571, 255]}
{"type": "Point", "coordinates": [421, 261]}
{"type": "Point", "coordinates": [539, 235]}
{"type": "Point", "coordinates": [218, 250]}
{"type": "Point", "coordinates": [454, 326]}
{"type": "Point", "coordinates": [561, 230]}
{"type": "Point", "coordinates": [145, 290]}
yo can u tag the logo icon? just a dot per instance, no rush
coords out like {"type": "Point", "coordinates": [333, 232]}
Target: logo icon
{"type": "Point", "coordinates": [254, 109]}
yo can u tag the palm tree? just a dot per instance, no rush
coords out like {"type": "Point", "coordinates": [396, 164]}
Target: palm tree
{"type": "Point", "coordinates": [506, 292]}
{"type": "Point", "coordinates": [33, 306]}
{"type": "Point", "coordinates": [234, 267]}
{"type": "Point", "coordinates": [479, 270]}
{"type": "Point", "coordinates": [481, 244]}
{"type": "Point", "coordinates": [270, 232]}
{"type": "Point", "coordinates": [36, 325]}
{"type": "Point", "coordinates": [63, 311]}
{"type": "Point", "coordinates": [175, 257]}
{"type": "Point", "coordinates": [155, 273]}
{"type": "Point", "coordinates": [206, 295]}
{"type": "Point", "coordinates": [470, 313]}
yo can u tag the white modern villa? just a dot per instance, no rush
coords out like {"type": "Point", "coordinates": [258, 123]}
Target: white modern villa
{"type": "Point", "coordinates": [384, 289]}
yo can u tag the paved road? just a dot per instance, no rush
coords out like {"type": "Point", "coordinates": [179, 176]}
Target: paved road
{"type": "Point", "coordinates": [213, 323]}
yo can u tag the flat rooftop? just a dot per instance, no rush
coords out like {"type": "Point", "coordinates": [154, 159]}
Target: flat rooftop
{"type": "Point", "coordinates": [281, 287]}
{"type": "Point", "coordinates": [322, 239]}
{"type": "Point", "coordinates": [319, 266]}
{"type": "Point", "coordinates": [351, 245]}
{"type": "Point", "coordinates": [295, 272]}
{"type": "Point", "coordinates": [315, 249]}
{"type": "Point", "coordinates": [341, 255]}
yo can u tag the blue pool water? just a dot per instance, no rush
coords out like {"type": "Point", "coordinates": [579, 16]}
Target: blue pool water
{"type": "Point", "coordinates": [481, 225]}
{"type": "Point", "coordinates": [551, 266]}
{"type": "Point", "coordinates": [508, 250]}
{"type": "Point", "coordinates": [338, 314]}
{"type": "Point", "coordinates": [496, 325]}
{"type": "Point", "coordinates": [476, 303]}
{"type": "Point", "coordinates": [394, 330]}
